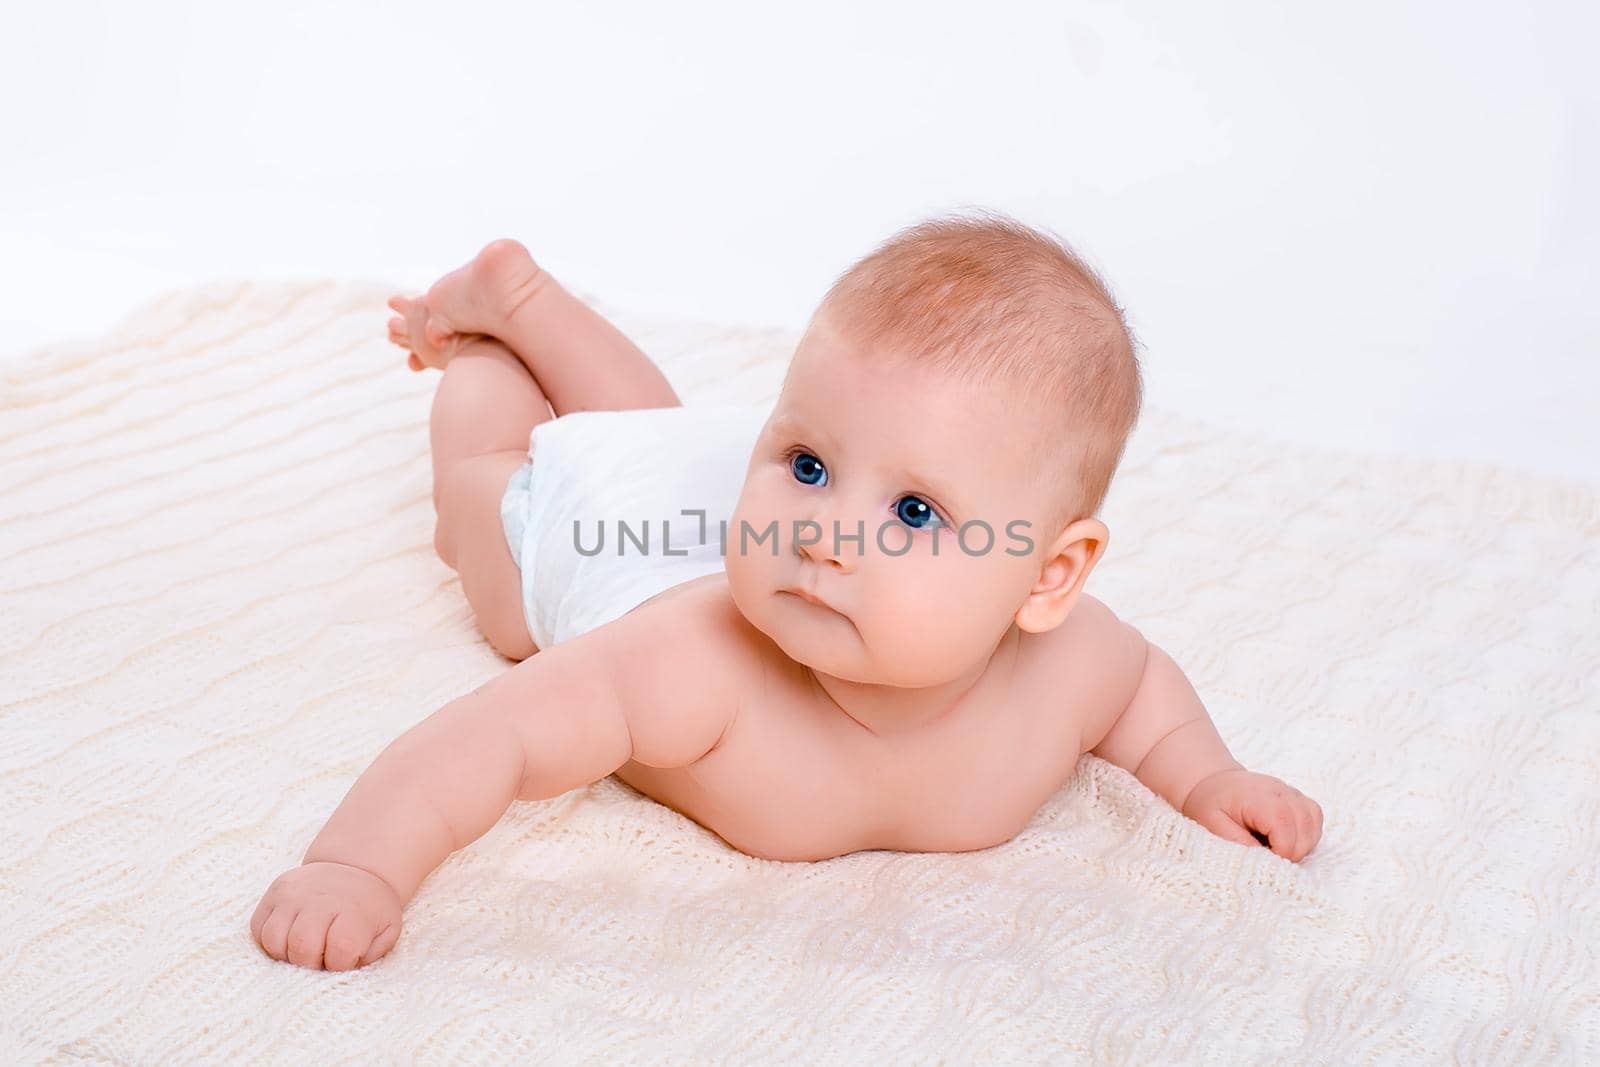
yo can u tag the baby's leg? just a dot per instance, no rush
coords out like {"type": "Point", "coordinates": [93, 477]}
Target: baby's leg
{"type": "Point", "coordinates": [581, 361]}
{"type": "Point", "coordinates": [485, 407]}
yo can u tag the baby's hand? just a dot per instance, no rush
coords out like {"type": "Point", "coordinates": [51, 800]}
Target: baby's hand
{"type": "Point", "coordinates": [1236, 803]}
{"type": "Point", "coordinates": [327, 916]}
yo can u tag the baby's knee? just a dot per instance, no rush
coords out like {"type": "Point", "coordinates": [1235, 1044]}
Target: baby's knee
{"type": "Point", "coordinates": [441, 542]}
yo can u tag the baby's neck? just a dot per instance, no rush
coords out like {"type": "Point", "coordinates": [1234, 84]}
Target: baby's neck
{"type": "Point", "coordinates": [893, 709]}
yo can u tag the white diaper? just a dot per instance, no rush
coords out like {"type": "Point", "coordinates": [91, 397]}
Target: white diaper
{"type": "Point", "coordinates": [610, 470]}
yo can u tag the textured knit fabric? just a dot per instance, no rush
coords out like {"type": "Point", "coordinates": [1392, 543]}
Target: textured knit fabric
{"type": "Point", "coordinates": [219, 601]}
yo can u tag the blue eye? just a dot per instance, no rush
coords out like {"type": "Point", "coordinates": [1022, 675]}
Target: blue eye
{"type": "Point", "coordinates": [915, 512]}
{"type": "Point", "coordinates": [808, 469]}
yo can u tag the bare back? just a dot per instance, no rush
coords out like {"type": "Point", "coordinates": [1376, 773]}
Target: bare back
{"type": "Point", "coordinates": [795, 778]}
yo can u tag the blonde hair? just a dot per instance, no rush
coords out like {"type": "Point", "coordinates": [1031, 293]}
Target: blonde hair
{"type": "Point", "coordinates": [993, 301]}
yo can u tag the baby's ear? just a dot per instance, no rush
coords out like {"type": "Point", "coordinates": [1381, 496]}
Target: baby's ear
{"type": "Point", "coordinates": [1066, 563]}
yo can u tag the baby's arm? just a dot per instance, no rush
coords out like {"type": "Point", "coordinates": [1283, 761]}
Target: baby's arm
{"type": "Point", "coordinates": [639, 688]}
{"type": "Point", "coordinates": [1167, 740]}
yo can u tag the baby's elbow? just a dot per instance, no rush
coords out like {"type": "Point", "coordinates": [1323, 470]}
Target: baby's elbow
{"type": "Point", "coordinates": [678, 677]}
{"type": "Point", "coordinates": [680, 728]}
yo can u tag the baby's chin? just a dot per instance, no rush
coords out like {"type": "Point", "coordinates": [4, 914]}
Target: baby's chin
{"type": "Point", "coordinates": [835, 652]}
{"type": "Point", "coordinates": [812, 636]}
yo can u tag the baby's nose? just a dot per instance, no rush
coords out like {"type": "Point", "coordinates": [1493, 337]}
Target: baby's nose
{"type": "Point", "coordinates": [835, 545]}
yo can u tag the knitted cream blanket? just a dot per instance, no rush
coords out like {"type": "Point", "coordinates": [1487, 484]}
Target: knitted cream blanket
{"type": "Point", "coordinates": [219, 601]}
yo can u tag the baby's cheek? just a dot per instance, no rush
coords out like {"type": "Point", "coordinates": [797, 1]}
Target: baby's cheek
{"type": "Point", "coordinates": [754, 527]}
{"type": "Point", "coordinates": [746, 566]}
{"type": "Point", "coordinates": [749, 570]}
{"type": "Point", "coordinates": [978, 589]}
{"type": "Point", "coordinates": [932, 624]}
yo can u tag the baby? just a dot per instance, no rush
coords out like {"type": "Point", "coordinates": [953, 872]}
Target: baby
{"type": "Point", "coordinates": [877, 635]}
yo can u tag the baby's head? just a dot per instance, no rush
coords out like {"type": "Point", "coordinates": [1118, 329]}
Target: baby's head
{"type": "Point", "coordinates": [961, 399]}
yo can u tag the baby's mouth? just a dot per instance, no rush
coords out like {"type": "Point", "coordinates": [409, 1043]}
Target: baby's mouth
{"type": "Point", "coordinates": [809, 597]}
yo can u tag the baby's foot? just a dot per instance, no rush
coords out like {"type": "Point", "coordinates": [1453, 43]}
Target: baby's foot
{"type": "Point", "coordinates": [408, 330]}
{"type": "Point", "coordinates": [481, 297]}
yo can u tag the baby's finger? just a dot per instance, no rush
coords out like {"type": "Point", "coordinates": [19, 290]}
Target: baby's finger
{"type": "Point", "coordinates": [382, 943]}
{"type": "Point", "coordinates": [259, 919]}
{"type": "Point", "coordinates": [397, 303]}
{"type": "Point", "coordinates": [1275, 818]}
{"type": "Point", "coordinates": [307, 937]}
{"type": "Point", "coordinates": [275, 931]}
{"type": "Point", "coordinates": [348, 938]}
{"type": "Point", "coordinates": [1221, 823]}
{"type": "Point", "coordinates": [413, 362]}
{"type": "Point", "coordinates": [1306, 824]}
{"type": "Point", "coordinates": [1285, 833]}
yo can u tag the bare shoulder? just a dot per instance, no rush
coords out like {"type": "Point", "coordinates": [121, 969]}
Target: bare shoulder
{"type": "Point", "coordinates": [1094, 660]}
{"type": "Point", "coordinates": [679, 665]}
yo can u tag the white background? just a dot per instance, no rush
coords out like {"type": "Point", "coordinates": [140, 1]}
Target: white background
{"type": "Point", "coordinates": [1359, 224]}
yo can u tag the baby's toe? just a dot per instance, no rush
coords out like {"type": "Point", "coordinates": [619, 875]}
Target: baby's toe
{"type": "Point", "coordinates": [437, 331]}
